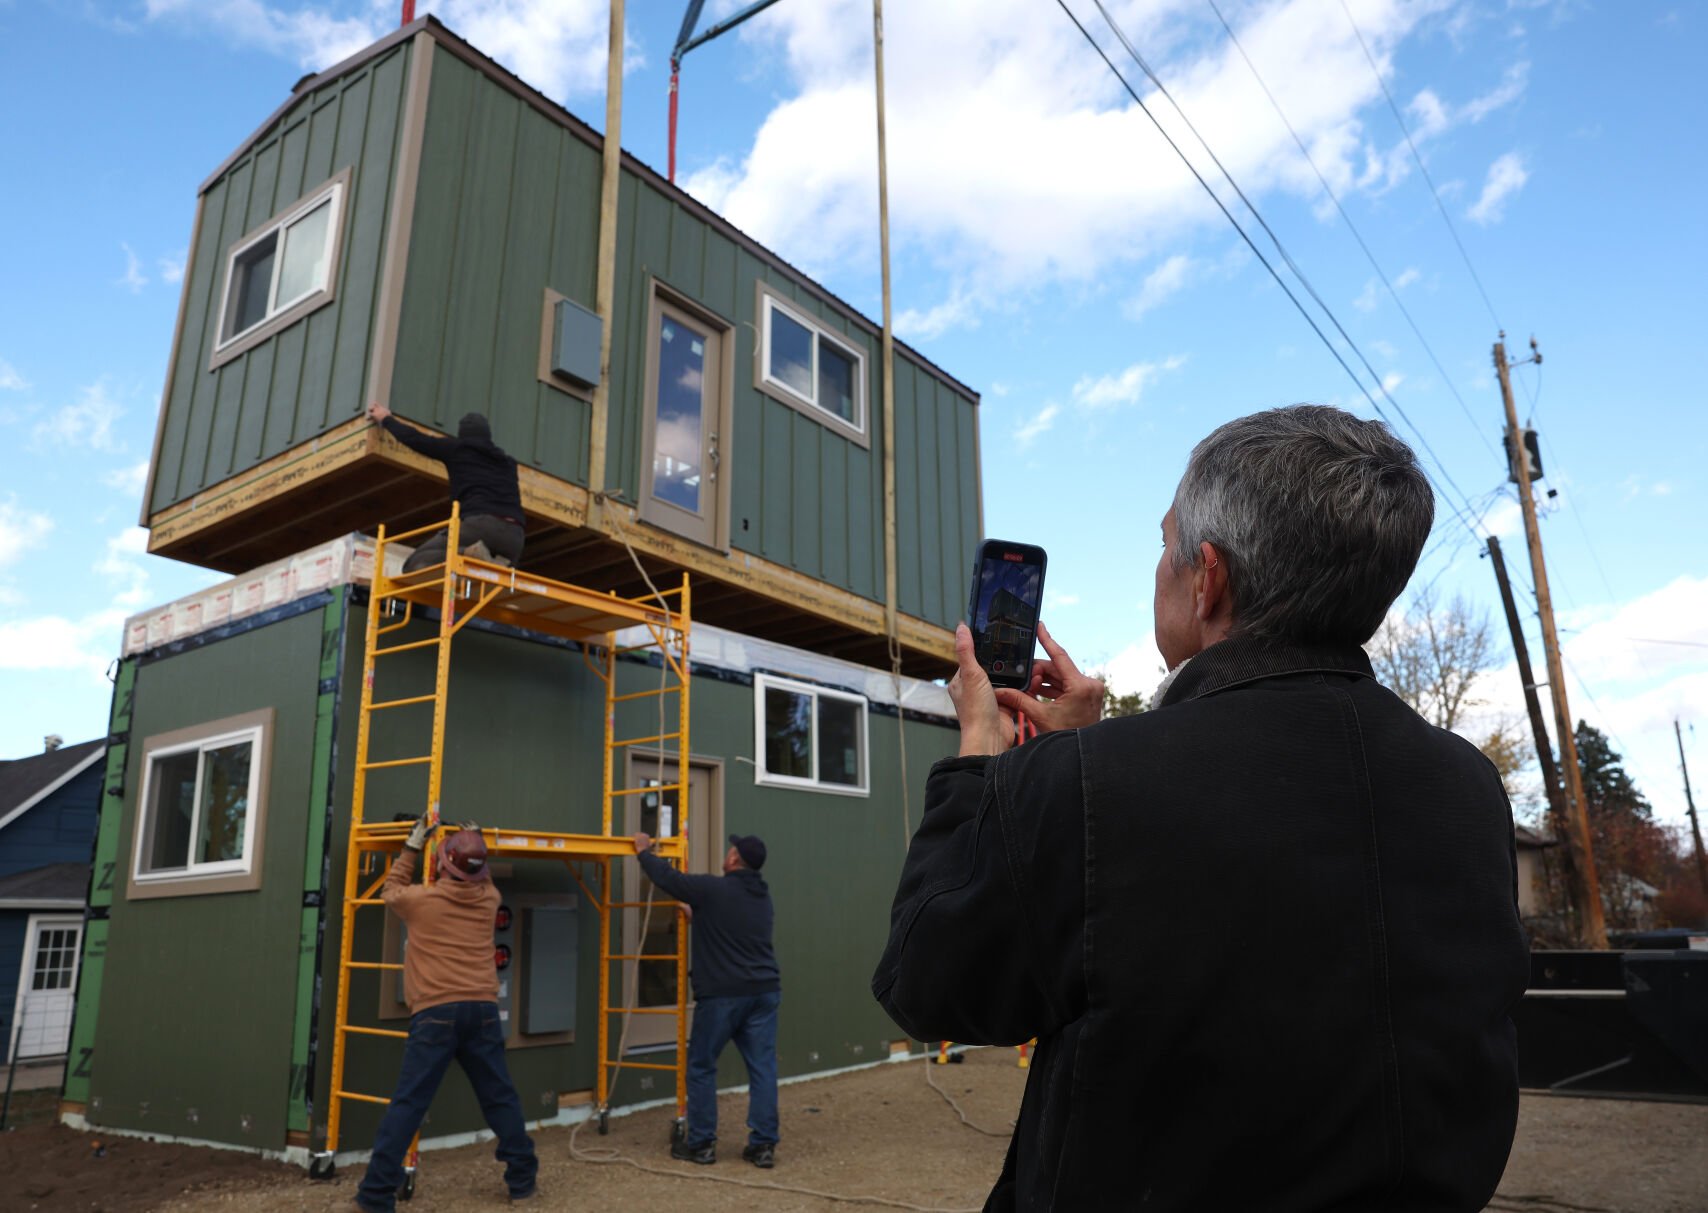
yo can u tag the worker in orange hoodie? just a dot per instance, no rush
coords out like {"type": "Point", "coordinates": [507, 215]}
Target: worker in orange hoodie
{"type": "Point", "coordinates": [451, 986]}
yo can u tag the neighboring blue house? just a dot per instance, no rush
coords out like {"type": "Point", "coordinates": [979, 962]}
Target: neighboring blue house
{"type": "Point", "coordinates": [48, 807]}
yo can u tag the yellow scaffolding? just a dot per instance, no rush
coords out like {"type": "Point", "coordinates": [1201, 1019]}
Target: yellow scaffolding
{"type": "Point", "coordinates": [461, 589]}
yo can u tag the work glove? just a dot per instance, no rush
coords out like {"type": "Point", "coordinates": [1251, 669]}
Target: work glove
{"type": "Point", "coordinates": [418, 836]}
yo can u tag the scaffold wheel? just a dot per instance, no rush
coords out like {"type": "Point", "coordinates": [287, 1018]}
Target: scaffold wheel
{"type": "Point", "coordinates": [321, 1166]}
{"type": "Point", "coordinates": [604, 1122]}
{"type": "Point", "coordinates": [407, 1190]}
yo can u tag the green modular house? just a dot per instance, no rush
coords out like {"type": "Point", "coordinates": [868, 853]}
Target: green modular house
{"type": "Point", "coordinates": [418, 226]}
{"type": "Point", "coordinates": [205, 1000]}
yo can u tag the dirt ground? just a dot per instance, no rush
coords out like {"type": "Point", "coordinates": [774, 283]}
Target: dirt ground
{"type": "Point", "coordinates": [880, 1133]}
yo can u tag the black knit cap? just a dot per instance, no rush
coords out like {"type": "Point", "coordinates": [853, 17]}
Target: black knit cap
{"type": "Point", "coordinates": [475, 426]}
{"type": "Point", "coordinates": [751, 849]}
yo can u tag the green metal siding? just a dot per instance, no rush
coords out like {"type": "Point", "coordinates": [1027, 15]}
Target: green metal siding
{"type": "Point", "coordinates": [508, 206]}
{"type": "Point", "coordinates": [311, 375]}
{"type": "Point", "coordinates": [198, 996]}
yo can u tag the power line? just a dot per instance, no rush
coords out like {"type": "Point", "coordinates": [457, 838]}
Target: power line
{"type": "Point", "coordinates": [1251, 244]}
{"type": "Point", "coordinates": [1356, 235]}
{"type": "Point", "coordinates": [1433, 192]}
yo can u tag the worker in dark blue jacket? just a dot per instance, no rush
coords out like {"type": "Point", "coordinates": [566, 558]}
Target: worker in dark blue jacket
{"type": "Point", "coordinates": [484, 485]}
{"type": "Point", "coordinates": [736, 993]}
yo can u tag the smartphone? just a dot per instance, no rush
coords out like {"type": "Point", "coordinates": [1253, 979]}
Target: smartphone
{"type": "Point", "coordinates": [1008, 586]}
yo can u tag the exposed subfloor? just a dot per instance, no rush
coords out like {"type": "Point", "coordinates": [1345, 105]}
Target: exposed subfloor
{"type": "Point", "coordinates": [878, 1133]}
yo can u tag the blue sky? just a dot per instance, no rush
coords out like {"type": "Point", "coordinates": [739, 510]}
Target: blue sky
{"type": "Point", "coordinates": [1049, 250]}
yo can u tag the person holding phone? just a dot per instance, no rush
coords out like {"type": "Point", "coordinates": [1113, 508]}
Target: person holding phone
{"type": "Point", "coordinates": [1267, 933]}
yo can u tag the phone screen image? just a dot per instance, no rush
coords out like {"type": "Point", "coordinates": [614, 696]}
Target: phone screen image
{"type": "Point", "coordinates": [1008, 585]}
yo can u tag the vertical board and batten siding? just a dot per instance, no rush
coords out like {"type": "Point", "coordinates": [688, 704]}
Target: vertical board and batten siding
{"type": "Point", "coordinates": [801, 494]}
{"type": "Point", "coordinates": [506, 206]}
{"type": "Point", "coordinates": [312, 374]}
{"type": "Point", "coordinates": [198, 997]}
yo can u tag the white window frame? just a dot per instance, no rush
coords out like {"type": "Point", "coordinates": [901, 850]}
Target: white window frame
{"type": "Point", "coordinates": [281, 312]}
{"type": "Point", "coordinates": [764, 682]}
{"type": "Point", "coordinates": [256, 736]}
{"type": "Point", "coordinates": [770, 305]}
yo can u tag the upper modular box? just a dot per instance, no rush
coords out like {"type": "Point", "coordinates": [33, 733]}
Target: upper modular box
{"type": "Point", "coordinates": [418, 226]}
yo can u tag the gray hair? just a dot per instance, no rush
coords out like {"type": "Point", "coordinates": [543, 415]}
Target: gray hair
{"type": "Point", "coordinates": [1319, 516]}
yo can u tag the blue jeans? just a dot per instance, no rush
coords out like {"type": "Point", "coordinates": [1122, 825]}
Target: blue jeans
{"type": "Point", "coordinates": [751, 1022]}
{"type": "Point", "coordinates": [470, 1032]}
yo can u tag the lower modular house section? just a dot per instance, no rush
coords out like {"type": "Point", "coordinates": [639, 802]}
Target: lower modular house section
{"type": "Point", "coordinates": [210, 952]}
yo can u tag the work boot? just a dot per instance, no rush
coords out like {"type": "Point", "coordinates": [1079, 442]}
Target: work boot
{"type": "Point", "coordinates": [705, 1155]}
{"type": "Point", "coordinates": [763, 1156]}
{"type": "Point", "coordinates": [478, 551]}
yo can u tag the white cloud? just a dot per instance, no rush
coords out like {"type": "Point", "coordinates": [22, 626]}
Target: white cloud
{"type": "Point", "coordinates": [1406, 277]}
{"type": "Point", "coordinates": [172, 269]}
{"type": "Point", "coordinates": [1508, 91]}
{"type": "Point", "coordinates": [1367, 298]}
{"type": "Point", "coordinates": [54, 642]}
{"type": "Point", "coordinates": [1507, 176]}
{"type": "Point", "coordinates": [1632, 669]}
{"type": "Point", "coordinates": [1391, 382]}
{"type": "Point", "coordinates": [128, 480]}
{"type": "Point", "coordinates": [1124, 387]}
{"type": "Point", "coordinates": [1028, 431]}
{"type": "Point", "coordinates": [1385, 348]}
{"type": "Point", "coordinates": [1136, 669]}
{"type": "Point", "coordinates": [133, 278]}
{"type": "Point", "coordinates": [10, 380]}
{"type": "Point", "coordinates": [554, 45]}
{"type": "Point", "coordinates": [957, 311]}
{"type": "Point", "coordinates": [88, 422]}
{"type": "Point", "coordinates": [1056, 599]}
{"type": "Point", "coordinates": [20, 530]}
{"type": "Point", "coordinates": [969, 81]}
{"type": "Point", "coordinates": [1162, 282]}
{"type": "Point", "coordinates": [122, 569]}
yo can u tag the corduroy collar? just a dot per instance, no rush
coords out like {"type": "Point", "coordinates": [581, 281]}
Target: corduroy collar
{"type": "Point", "coordinates": [1242, 659]}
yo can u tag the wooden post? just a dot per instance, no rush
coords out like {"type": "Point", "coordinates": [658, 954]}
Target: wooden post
{"type": "Point", "coordinates": [605, 283]}
{"type": "Point", "coordinates": [890, 607]}
{"type": "Point", "coordinates": [1690, 806]}
{"type": "Point", "coordinates": [1577, 813]}
{"type": "Point", "coordinates": [1557, 818]}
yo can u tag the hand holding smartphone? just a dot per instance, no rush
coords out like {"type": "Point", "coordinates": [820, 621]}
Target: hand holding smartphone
{"type": "Point", "coordinates": [1008, 590]}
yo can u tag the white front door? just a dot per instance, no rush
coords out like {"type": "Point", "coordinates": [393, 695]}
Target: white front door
{"type": "Point", "coordinates": [47, 986]}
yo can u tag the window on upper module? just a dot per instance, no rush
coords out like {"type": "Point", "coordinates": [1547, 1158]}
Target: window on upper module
{"type": "Point", "coordinates": [282, 270]}
{"type": "Point", "coordinates": [806, 366]}
{"type": "Point", "coordinates": [810, 736]}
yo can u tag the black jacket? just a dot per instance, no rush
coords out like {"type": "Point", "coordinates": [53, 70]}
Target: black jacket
{"type": "Point", "coordinates": [1267, 936]}
{"type": "Point", "coordinates": [483, 477]}
{"type": "Point", "coordinates": [732, 929]}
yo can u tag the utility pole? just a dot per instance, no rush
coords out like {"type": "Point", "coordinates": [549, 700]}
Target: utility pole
{"type": "Point", "coordinates": [1557, 818]}
{"type": "Point", "coordinates": [1593, 924]}
{"type": "Point", "coordinates": [1690, 806]}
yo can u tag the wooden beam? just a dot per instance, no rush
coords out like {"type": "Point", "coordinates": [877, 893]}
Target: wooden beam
{"type": "Point", "coordinates": [548, 501]}
{"type": "Point", "coordinates": [289, 472]}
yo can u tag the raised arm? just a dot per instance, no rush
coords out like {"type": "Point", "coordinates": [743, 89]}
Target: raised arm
{"type": "Point", "coordinates": [431, 445]}
{"type": "Point", "coordinates": [684, 887]}
{"type": "Point", "coordinates": [987, 929]}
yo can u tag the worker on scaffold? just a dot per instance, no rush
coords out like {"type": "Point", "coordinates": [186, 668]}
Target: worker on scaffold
{"type": "Point", "coordinates": [484, 484]}
{"type": "Point", "coordinates": [451, 986]}
{"type": "Point", "coordinates": [737, 991]}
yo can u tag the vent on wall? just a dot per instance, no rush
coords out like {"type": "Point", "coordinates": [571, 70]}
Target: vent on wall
{"type": "Point", "coordinates": [575, 344]}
